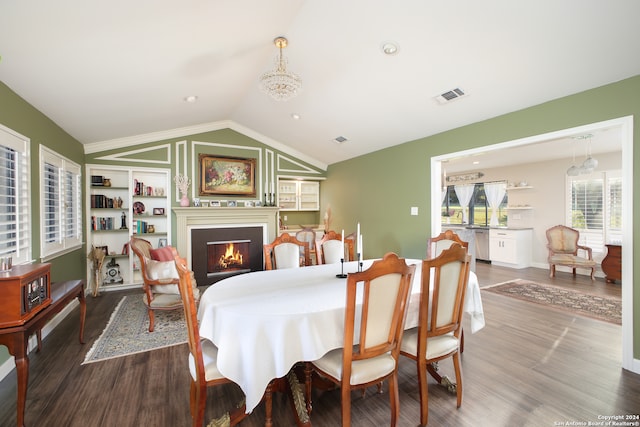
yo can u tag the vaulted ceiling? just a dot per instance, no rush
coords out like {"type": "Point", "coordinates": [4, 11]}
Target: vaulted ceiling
{"type": "Point", "coordinates": [106, 71]}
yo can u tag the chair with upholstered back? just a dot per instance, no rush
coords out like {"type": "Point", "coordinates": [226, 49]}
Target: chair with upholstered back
{"type": "Point", "coordinates": [435, 245]}
{"type": "Point", "coordinates": [203, 356]}
{"type": "Point", "coordinates": [562, 243]}
{"type": "Point", "coordinates": [284, 252]}
{"type": "Point", "coordinates": [308, 236]}
{"type": "Point", "coordinates": [330, 249]}
{"type": "Point", "coordinates": [370, 355]}
{"type": "Point", "coordinates": [438, 334]}
{"type": "Point", "coordinates": [159, 279]}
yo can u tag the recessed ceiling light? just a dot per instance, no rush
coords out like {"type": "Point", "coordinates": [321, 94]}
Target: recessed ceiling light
{"type": "Point", "coordinates": [390, 48]}
{"type": "Point", "coordinates": [190, 99]}
{"type": "Point", "coordinates": [295, 116]}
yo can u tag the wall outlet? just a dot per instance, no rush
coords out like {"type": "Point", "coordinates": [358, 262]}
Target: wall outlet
{"type": "Point", "coordinates": [285, 218]}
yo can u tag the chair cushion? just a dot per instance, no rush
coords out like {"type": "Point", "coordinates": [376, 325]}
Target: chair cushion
{"type": "Point", "coordinates": [163, 301]}
{"type": "Point", "coordinates": [162, 254]}
{"type": "Point", "coordinates": [163, 270]}
{"type": "Point", "coordinates": [568, 259]}
{"type": "Point", "coordinates": [436, 346]}
{"type": "Point", "coordinates": [287, 255]}
{"type": "Point", "coordinates": [210, 358]}
{"type": "Point", "coordinates": [362, 371]}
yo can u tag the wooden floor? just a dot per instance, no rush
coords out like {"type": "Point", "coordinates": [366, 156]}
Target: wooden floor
{"type": "Point", "coordinates": [530, 366]}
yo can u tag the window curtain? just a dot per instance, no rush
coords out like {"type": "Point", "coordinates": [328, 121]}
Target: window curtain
{"type": "Point", "coordinates": [495, 192]}
{"type": "Point", "coordinates": [464, 193]}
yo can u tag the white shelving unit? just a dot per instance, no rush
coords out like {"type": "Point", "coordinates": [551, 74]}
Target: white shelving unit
{"type": "Point", "coordinates": [136, 201]}
{"type": "Point", "coordinates": [297, 195]}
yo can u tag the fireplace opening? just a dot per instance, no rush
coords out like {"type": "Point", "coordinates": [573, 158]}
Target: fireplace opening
{"type": "Point", "coordinates": [228, 257]}
{"type": "Point", "coordinates": [213, 259]}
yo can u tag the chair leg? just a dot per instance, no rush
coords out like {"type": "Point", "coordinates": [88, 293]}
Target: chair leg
{"type": "Point", "coordinates": [552, 270]}
{"type": "Point", "coordinates": [394, 398]}
{"type": "Point", "coordinates": [198, 403]}
{"type": "Point", "coordinates": [456, 365]}
{"type": "Point", "coordinates": [151, 320]}
{"type": "Point", "coordinates": [461, 340]}
{"type": "Point", "coordinates": [346, 404]}
{"type": "Point", "coordinates": [424, 392]}
{"type": "Point", "coordinates": [593, 271]}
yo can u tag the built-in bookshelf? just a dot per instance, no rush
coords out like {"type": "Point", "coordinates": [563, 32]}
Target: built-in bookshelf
{"type": "Point", "coordinates": [122, 202]}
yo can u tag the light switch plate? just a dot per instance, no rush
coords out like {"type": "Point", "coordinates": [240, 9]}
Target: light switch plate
{"type": "Point", "coordinates": [414, 210]}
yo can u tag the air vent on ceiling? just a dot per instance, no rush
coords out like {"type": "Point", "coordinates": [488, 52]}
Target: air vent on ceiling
{"type": "Point", "coordinates": [340, 140]}
{"type": "Point", "coordinates": [450, 95]}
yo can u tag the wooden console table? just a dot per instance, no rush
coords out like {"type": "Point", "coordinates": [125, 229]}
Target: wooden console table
{"type": "Point", "coordinates": [612, 263]}
{"type": "Point", "coordinates": [16, 338]}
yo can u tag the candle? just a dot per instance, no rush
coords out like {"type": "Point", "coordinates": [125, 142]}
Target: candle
{"type": "Point", "coordinates": [272, 187]}
{"type": "Point", "coordinates": [358, 239]}
{"type": "Point", "coordinates": [343, 243]}
{"type": "Point", "coordinates": [361, 249]}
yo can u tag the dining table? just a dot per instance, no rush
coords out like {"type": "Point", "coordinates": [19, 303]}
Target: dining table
{"type": "Point", "coordinates": [265, 322]}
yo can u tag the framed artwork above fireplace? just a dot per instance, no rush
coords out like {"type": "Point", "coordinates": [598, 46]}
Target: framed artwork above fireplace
{"type": "Point", "coordinates": [227, 175]}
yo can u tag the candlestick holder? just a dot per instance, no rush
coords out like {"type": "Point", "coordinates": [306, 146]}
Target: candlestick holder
{"type": "Point", "coordinates": [359, 262]}
{"type": "Point", "coordinates": [341, 275]}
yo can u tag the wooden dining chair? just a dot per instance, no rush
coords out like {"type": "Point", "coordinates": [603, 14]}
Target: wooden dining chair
{"type": "Point", "coordinates": [370, 356]}
{"type": "Point", "coordinates": [435, 245]}
{"type": "Point", "coordinates": [284, 252]}
{"type": "Point", "coordinates": [308, 236]}
{"type": "Point", "coordinates": [202, 356]}
{"type": "Point", "coordinates": [330, 250]}
{"type": "Point", "coordinates": [437, 335]}
{"type": "Point", "coordinates": [159, 280]}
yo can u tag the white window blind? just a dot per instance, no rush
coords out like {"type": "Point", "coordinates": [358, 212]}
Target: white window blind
{"type": "Point", "coordinates": [15, 218]}
{"type": "Point", "coordinates": [60, 203]}
{"type": "Point", "coordinates": [595, 209]}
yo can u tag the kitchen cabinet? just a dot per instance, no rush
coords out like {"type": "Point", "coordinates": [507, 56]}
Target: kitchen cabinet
{"type": "Point", "coordinates": [298, 195]}
{"type": "Point", "coordinates": [510, 248]}
{"type": "Point", "coordinates": [122, 202]}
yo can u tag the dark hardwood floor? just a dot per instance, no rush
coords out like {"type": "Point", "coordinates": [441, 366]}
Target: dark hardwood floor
{"type": "Point", "coordinates": [529, 366]}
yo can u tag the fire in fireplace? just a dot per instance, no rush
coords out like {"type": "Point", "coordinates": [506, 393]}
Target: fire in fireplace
{"type": "Point", "coordinates": [228, 256]}
{"type": "Point", "coordinates": [213, 258]}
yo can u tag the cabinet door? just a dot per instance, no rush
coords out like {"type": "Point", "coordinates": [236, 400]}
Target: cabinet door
{"type": "Point", "coordinates": [288, 195]}
{"type": "Point", "coordinates": [309, 196]}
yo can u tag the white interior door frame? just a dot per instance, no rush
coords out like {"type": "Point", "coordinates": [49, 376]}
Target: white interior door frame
{"type": "Point", "coordinates": [626, 126]}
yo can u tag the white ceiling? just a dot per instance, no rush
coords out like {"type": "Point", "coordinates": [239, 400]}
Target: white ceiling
{"type": "Point", "coordinates": [114, 70]}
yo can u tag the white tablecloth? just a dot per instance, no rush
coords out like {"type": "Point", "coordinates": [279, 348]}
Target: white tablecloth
{"type": "Point", "coordinates": [264, 322]}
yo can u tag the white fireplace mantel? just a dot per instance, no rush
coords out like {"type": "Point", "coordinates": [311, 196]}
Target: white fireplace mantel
{"type": "Point", "coordinates": [201, 217]}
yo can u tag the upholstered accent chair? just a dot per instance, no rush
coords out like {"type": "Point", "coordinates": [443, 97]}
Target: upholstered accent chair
{"type": "Point", "coordinates": [370, 355]}
{"type": "Point", "coordinates": [330, 250]}
{"type": "Point", "coordinates": [285, 252]}
{"type": "Point", "coordinates": [203, 356]}
{"type": "Point", "coordinates": [159, 278]}
{"type": "Point", "coordinates": [562, 243]}
{"type": "Point", "coordinates": [438, 334]}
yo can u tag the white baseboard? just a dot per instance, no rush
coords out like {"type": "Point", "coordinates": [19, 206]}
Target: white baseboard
{"type": "Point", "coordinates": [10, 364]}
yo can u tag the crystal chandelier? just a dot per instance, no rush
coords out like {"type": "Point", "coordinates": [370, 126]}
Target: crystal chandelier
{"type": "Point", "coordinates": [279, 83]}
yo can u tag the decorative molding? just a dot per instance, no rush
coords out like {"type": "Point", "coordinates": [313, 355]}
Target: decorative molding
{"type": "Point", "coordinates": [96, 147]}
{"type": "Point", "coordinates": [123, 156]}
{"type": "Point", "coordinates": [303, 168]}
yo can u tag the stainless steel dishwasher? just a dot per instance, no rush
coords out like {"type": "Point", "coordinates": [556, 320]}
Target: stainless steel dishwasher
{"type": "Point", "coordinates": [482, 243]}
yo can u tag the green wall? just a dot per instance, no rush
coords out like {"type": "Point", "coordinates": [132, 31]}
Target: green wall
{"type": "Point", "coordinates": [384, 185]}
{"type": "Point", "coordinates": [20, 116]}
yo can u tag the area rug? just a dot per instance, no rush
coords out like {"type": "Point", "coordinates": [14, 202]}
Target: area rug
{"type": "Point", "coordinates": [600, 307]}
{"type": "Point", "coordinates": [127, 331]}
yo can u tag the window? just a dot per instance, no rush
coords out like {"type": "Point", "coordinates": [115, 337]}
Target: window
{"type": "Point", "coordinates": [479, 209]}
{"type": "Point", "coordinates": [595, 209]}
{"type": "Point", "coordinates": [60, 203]}
{"type": "Point", "coordinates": [15, 217]}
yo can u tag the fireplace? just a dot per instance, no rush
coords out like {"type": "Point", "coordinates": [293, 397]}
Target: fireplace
{"type": "Point", "coordinates": [220, 252]}
{"type": "Point", "coordinates": [197, 226]}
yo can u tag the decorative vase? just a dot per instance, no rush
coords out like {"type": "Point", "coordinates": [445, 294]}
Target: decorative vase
{"type": "Point", "coordinates": [184, 201]}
